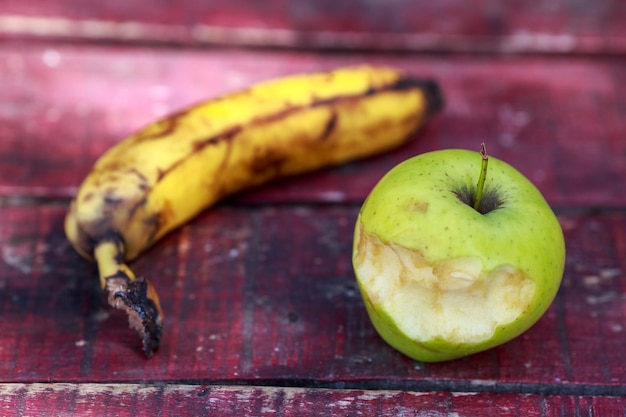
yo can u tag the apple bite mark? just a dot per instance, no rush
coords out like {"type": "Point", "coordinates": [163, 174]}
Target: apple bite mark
{"type": "Point", "coordinates": [454, 300]}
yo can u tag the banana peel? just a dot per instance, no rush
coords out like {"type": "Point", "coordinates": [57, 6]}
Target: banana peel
{"type": "Point", "coordinates": [166, 173]}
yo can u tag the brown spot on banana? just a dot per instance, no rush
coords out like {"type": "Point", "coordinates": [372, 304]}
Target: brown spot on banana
{"type": "Point", "coordinates": [112, 201]}
{"type": "Point", "coordinates": [87, 197]}
{"type": "Point", "coordinates": [157, 221]}
{"type": "Point", "coordinates": [330, 126]}
{"type": "Point", "coordinates": [198, 146]}
{"type": "Point", "coordinates": [133, 210]}
{"type": "Point", "coordinates": [264, 162]}
{"type": "Point", "coordinates": [144, 184]}
{"type": "Point", "coordinates": [227, 136]}
{"type": "Point", "coordinates": [162, 129]}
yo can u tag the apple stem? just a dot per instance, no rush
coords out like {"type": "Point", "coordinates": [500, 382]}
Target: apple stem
{"type": "Point", "coordinates": [483, 175]}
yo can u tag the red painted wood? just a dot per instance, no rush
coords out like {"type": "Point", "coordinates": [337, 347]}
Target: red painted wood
{"type": "Point", "coordinates": [558, 121]}
{"type": "Point", "coordinates": [554, 26]}
{"type": "Point", "coordinates": [268, 294]}
{"type": "Point", "coordinates": [150, 399]}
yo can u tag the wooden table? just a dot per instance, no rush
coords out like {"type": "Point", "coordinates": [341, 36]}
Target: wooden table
{"type": "Point", "coordinates": [264, 317]}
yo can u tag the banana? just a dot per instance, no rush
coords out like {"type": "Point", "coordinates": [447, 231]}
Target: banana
{"type": "Point", "coordinates": [166, 173]}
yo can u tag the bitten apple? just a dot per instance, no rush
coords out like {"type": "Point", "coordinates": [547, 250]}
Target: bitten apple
{"type": "Point", "coordinates": [454, 256]}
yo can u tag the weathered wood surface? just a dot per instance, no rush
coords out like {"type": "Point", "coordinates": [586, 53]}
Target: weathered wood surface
{"type": "Point", "coordinates": [263, 314]}
{"type": "Point", "coordinates": [547, 26]}
{"type": "Point", "coordinates": [267, 295]}
{"type": "Point", "coordinates": [174, 400]}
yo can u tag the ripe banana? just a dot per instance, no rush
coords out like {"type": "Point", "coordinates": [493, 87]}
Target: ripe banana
{"type": "Point", "coordinates": [166, 173]}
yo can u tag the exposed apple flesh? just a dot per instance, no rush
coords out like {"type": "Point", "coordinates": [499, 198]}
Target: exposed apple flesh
{"type": "Point", "coordinates": [442, 280]}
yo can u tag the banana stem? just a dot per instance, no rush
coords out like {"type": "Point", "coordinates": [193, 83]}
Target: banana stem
{"type": "Point", "coordinates": [136, 296]}
{"type": "Point", "coordinates": [109, 256]}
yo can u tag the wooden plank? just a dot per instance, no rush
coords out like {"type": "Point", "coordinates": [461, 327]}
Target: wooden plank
{"type": "Point", "coordinates": [177, 400]}
{"type": "Point", "coordinates": [267, 295]}
{"type": "Point", "coordinates": [556, 26]}
{"type": "Point", "coordinates": [558, 121]}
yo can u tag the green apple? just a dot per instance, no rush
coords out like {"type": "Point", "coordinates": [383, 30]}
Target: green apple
{"type": "Point", "coordinates": [453, 258]}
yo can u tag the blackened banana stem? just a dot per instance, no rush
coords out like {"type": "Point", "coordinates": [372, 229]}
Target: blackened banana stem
{"type": "Point", "coordinates": [136, 296]}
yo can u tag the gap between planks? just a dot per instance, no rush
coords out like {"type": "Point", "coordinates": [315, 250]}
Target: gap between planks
{"type": "Point", "coordinates": [417, 387]}
{"type": "Point", "coordinates": [128, 32]}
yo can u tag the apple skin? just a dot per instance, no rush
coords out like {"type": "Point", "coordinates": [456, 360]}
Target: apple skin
{"type": "Point", "coordinates": [415, 211]}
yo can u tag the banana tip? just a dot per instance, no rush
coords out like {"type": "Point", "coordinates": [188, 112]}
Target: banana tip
{"type": "Point", "coordinates": [434, 97]}
{"type": "Point", "coordinates": [429, 87]}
